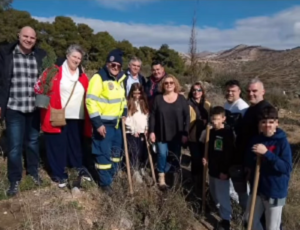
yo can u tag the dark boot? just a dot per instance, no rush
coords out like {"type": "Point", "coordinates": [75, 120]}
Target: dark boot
{"type": "Point", "coordinates": [224, 225]}
{"type": "Point", "coordinates": [38, 181]}
{"type": "Point", "coordinates": [13, 189]}
{"type": "Point", "coordinates": [107, 190]}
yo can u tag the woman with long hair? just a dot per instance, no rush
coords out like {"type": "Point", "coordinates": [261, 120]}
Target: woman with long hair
{"type": "Point", "coordinates": [136, 124]}
{"type": "Point", "coordinates": [199, 112]}
{"type": "Point", "coordinates": [169, 125]}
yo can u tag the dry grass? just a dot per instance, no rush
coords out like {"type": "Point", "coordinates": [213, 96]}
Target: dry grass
{"type": "Point", "coordinates": [54, 208]}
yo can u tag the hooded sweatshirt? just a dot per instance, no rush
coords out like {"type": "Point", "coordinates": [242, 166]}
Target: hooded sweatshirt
{"type": "Point", "coordinates": [220, 151]}
{"type": "Point", "coordinates": [276, 165]}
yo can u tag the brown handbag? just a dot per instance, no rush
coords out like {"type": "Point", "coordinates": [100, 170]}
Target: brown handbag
{"type": "Point", "coordinates": [57, 116]}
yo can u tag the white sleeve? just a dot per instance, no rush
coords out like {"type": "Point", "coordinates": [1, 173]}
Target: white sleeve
{"type": "Point", "coordinates": [242, 106]}
{"type": "Point", "coordinates": [203, 136]}
{"type": "Point", "coordinates": [129, 125]}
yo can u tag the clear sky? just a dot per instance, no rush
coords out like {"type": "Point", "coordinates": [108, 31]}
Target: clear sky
{"type": "Point", "coordinates": [221, 24]}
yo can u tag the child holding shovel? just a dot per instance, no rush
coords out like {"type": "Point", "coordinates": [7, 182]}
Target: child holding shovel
{"type": "Point", "coordinates": [221, 147]}
{"type": "Point", "coordinates": [275, 169]}
{"type": "Point", "coordinates": [136, 127]}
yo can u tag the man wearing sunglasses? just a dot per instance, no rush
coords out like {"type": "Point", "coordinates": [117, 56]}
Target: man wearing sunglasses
{"type": "Point", "coordinates": [106, 104]}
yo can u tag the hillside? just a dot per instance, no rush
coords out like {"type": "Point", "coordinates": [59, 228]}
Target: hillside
{"type": "Point", "coordinates": [272, 66]}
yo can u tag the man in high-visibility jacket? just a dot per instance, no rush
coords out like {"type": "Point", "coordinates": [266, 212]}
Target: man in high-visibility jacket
{"type": "Point", "coordinates": [106, 104]}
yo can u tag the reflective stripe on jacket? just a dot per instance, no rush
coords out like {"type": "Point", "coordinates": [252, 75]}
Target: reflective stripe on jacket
{"type": "Point", "coordinates": [105, 100]}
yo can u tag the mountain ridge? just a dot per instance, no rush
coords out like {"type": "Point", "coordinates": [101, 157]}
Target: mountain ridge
{"type": "Point", "coordinates": [271, 65]}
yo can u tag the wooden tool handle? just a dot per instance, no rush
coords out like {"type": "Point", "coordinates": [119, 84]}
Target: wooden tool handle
{"type": "Point", "coordinates": [208, 127]}
{"type": "Point", "coordinates": [254, 193]}
{"type": "Point", "coordinates": [127, 158]}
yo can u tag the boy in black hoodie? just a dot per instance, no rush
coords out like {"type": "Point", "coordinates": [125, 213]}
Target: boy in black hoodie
{"type": "Point", "coordinates": [221, 148]}
{"type": "Point", "coordinates": [276, 166]}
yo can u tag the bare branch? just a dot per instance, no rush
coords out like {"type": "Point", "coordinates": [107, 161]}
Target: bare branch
{"type": "Point", "coordinates": [195, 65]}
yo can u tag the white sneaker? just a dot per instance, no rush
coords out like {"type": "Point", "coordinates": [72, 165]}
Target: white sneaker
{"type": "Point", "coordinates": [62, 183]}
{"type": "Point", "coordinates": [143, 172]}
{"type": "Point", "coordinates": [137, 177]}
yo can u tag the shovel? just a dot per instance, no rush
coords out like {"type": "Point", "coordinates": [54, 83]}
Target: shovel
{"type": "Point", "coordinates": [150, 160]}
{"type": "Point", "coordinates": [205, 169]}
{"type": "Point", "coordinates": [127, 158]}
{"type": "Point", "coordinates": [254, 192]}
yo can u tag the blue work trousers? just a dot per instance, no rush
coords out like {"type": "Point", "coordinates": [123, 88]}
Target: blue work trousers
{"type": "Point", "coordinates": [107, 152]}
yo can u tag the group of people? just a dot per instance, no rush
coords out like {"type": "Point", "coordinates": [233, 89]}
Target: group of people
{"type": "Point", "coordinates": [153, 111]}
{"type": "Point", "coordinates": [240, 134]}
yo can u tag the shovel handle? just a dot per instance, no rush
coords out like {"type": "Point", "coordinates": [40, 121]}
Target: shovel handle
{"type": "Point", "coordinates": [127, 158]}
{"type": "Point", "coordinates": [254, 193]}
{"type": "Point", "coordinates": [208, 127]}
{"type": "Point", "coordinates": [150, 160]}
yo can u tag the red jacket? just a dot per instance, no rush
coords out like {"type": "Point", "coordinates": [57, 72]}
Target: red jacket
{"type": "Point", "coordinates": [55, 102]}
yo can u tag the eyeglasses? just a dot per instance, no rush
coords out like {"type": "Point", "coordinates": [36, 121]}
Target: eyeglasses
{"type": "Point", "coordinates": [197, 90]}
{"type": "Point", "coordinates": [114, 65]}
{"type": "Point", "coordinates": [169, 83]}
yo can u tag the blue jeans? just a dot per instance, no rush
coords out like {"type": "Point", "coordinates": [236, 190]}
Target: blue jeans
{"type": "Point", "coordinates": [171, 149]}
{"type": "Point", "coordinates": [107, 153]}
{"type": "Point", "coordinates": [23, 130]}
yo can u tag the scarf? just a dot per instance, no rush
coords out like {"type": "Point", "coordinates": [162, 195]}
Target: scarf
{"type": "Point", "coordinates": [66, 72]}
{"type": "Point", "coordinates": [155, 82]}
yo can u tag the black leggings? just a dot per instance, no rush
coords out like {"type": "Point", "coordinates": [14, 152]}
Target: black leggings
{"type": "Point", "coordinates": [137, 150]}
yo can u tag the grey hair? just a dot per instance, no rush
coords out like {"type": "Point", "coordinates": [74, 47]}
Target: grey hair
{"type": "Point", "coordinates": [256, 80]}
{"type": "Point", "coordinates": [133, 59]}
{"type": "Point", "coordinates": [76, 48]}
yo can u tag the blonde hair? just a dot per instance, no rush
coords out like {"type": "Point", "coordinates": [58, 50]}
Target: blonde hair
{"type": "Point", "coordinates": [176, 84]}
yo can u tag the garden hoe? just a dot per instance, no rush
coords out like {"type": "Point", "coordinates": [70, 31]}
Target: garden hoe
{"type": "Point", "coordinates": [127, 158]}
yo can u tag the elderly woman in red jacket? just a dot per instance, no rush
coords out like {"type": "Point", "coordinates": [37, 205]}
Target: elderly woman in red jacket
{"type": "Point", "coordinates": [64, 144]}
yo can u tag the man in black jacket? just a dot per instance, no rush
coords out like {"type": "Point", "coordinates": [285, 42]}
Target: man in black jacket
{"type": "Point", "coordinates": [151, 86]}
{"type": "Point", "coordinates": [20, 67]}
{"type": "Point", "coordinates": [249, 124]}
{"type": "Point", "coordinates": [133, 74]}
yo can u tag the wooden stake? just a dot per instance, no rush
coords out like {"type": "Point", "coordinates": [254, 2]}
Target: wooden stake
{"type": "Point", "coordinates": [254, 193]}
{"type": "Point", "coordinates": [205, 169]}
{"type": "Point", "coordinates": [127, 158]}
{"type": "Point", "coordinates": [150, 160]}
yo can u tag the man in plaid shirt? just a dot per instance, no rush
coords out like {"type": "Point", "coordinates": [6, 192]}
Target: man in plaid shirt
{"type": "Point", "coordinates": [20, 65]}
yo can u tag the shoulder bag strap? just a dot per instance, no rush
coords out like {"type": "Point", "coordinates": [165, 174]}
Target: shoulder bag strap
{"type": "Point", "coordinates": [71, 94]}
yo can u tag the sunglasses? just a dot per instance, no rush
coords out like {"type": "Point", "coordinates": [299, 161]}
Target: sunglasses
{"type": "Point", "coordinates": [197, 90]}
{"type": "Point", "coordinates": [169, 83]}
{"type": "Point", "coordinates": [136, 93]}
{"type": "Point", "coordinates": [114, 65]}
